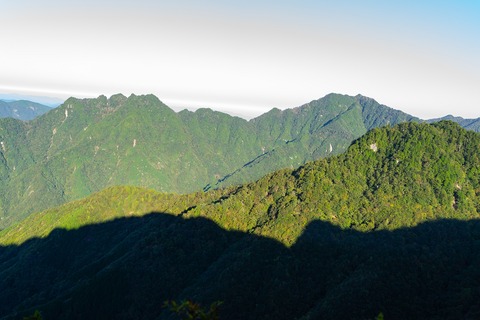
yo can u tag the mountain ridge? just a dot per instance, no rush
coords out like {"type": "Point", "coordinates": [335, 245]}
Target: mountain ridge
{"type": "Point", "coordinates": [470, 124]}
{"type": "Point", "coordinates": [86, 145]}
{"type": "Point", "coordinates": [126, 267]}
{"type": "Point", "coordinates": [430, 168]}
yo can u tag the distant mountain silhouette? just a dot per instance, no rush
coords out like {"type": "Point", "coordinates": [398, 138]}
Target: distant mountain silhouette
{"type": "Point", "coordinates": [469, 124]}
{"type": "Point", "coordinates": [126, 268]}
{"type": "Point", "coordinates": [22, 109]}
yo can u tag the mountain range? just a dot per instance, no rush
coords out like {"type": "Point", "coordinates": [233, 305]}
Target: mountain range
{"type": "Point", "coordinates": [22, 109]}
{"type": "Point", "coordinates": [86, 145]}
{"type": "Point", "coordinates": [390, 226]}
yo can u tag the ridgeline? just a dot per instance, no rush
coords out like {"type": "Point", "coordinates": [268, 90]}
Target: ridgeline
{"type": "Point", "coordinates": [87, 145]}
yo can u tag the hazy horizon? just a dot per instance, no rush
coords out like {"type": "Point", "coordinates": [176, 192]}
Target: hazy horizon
{"type": "Point", "coordinates": [247, 58]}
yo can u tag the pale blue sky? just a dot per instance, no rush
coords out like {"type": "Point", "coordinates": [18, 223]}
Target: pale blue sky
{"type": "Point", "coordinates": [246, 57]}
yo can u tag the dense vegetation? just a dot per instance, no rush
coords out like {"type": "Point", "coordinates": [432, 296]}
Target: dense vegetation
{"type": "Point", "coordinates": [390, 178]}
{"type": "Point", "coordinates": [389, 226]}
{"type": "Point", "coordinates": [87, 145]}
{"type": "Point", "coordinates": [22, 109]}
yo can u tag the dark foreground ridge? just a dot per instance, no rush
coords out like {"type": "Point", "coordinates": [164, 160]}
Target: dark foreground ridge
{"type": "Point", "coordinates": [127, 268]}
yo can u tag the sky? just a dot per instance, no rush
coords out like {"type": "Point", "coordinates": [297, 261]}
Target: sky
{"type": "Point", "coordinates": [246, 57]}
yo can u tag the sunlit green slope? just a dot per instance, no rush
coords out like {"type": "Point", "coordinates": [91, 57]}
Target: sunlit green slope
{"type": "Point", "coordinates": [87, 145]}
{"type": "Point", "coordinates": [390, 178]}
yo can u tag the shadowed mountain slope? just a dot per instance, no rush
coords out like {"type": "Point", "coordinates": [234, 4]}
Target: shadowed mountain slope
{"type": "Point", "coordinates": [126, 268]}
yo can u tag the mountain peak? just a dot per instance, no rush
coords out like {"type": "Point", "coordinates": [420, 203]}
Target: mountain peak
{"type": "Point", "coordinates": [364, 99]}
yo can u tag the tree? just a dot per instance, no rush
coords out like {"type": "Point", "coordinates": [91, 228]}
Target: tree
{"type": "Point", "coordinates": [36, 316]}
{"type": "Point", "coordinates": [188, 310]}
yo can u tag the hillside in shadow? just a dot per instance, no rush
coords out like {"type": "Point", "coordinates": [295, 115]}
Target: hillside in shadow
{"type": "Point", "coordinates": [127, 268]}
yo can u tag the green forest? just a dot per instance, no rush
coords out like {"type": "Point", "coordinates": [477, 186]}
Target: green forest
{"type": "Point", "coordinates": [87, 145]}
{"type": "Point", "coordinates": [388, 227]}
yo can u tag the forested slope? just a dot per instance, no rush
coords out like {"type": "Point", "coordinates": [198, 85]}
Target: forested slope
{"type": "Point", "coordinates": [389, 226]}
{"type": "Point", "coordinates": [87, 145]}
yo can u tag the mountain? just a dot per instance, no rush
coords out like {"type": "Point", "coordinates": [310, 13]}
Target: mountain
{"type": "Point", "coordinates": [432, 170]}
{"type": "Point", "coordinates": [51, 102]}
{"type": "Point", "coordinates": [87, 145]}
{"type": "Point", "coordinates": [318, 129]}
{"type": "Point", "coordinates": [22, 109]}
{"type": "Point", "coordinates": [389, 226]}
{"type": "Point", "coordinates": [470, 124]}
